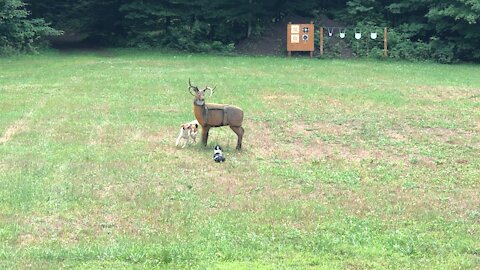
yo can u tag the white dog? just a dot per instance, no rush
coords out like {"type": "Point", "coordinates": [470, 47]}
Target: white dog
{"type": "Point", "coordinates": [188, 131]}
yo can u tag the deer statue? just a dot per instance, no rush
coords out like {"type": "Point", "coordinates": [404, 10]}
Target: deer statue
{"type": "Point", "coordinates": [215, 115]}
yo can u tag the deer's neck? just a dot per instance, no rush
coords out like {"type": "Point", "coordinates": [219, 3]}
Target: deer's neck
{"type": "Point", "coordinates": [199, 111]}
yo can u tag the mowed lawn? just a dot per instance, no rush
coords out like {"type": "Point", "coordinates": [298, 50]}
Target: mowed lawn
{"type": "Point", "coordinates": [345, 164]}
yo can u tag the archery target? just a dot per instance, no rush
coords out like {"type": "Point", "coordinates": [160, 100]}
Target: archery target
{"type": "Point", "coordinates": [295, 29]}
{"type": "Point", "coordinates": [295, 39]}
{"type": "Point", "coordinates": [300, 37]}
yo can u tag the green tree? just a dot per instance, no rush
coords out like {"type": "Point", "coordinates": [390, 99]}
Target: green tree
{"type": "Point", "coordinates": [18, 32]}
{"type": "Point", "coordinates": [97, 21]}
{"type": "Point", "coordinates": [457, 25]}
{"type": "Point", "coordinates": [446, 31]}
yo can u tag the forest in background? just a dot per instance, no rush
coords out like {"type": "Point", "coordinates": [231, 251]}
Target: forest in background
{"type": "Point", "coordinates": [445, 31]}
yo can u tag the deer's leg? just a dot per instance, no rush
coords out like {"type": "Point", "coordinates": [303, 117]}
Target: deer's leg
{"type": "Point", "coordinates": [205, 130]}
{"type": "Point", "coordinates": [239, 131]}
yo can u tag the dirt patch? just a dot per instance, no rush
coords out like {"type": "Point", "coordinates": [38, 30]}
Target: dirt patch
{"type": "Point", "coordinates": [264, 138]}
{"type": "Point", "coordinates": [17, 127]}
{"type": "Point", "coordinates": [320, 127]}
{"type": "Point", "coordinates": [269, 202]}
{"type": "Point", "coordinates": [271, 42]}
{"type": "Point", "coordinates": [151, 136]}
{"type": "Point", "coordinates": [396, 135]}
{"type": "Point", "coordinates": [441, 133]}
{"type": "Point", "coordinates": [303, 144]}
{"type": "Point", "coordinates": [353, 202]}
{"type": "Point", "coordinates": [281, 97]}
{"type": "Point", "coordinates": [25, 240]}
{"type": "Point", "coordinates": [411, 203]}
{"type": "Point", "coordinates": [104, 134]}
{"type": "Point", "coordinates": [437, 134]}
{"type": "Point", "coordinates": [308, 146]}
{"type": "Point", "coordinates": [440, 93]}
{"type": "Point", "coordinates": [100, 136]}
{"type": "Point", "coordinates": [464, 203]}
{"type": "Point", "coordinates": [320, 150]}
{"type": "Point", "coordinates": [76, 227]}
{"type": "Point", "coordinates": [20, 125]}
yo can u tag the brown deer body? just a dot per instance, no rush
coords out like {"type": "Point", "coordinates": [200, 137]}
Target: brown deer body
{"type": "Point", "coordinates": [216, 115]}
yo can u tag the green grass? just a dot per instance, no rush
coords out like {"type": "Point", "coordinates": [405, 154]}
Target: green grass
{"type": "Point", "coordinates": [346, 164]}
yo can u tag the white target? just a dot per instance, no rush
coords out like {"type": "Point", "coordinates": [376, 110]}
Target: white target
{"type": "Point", "coordinates": [330, 31]}
{"type": "Point", "coordinates": [295, 29]}
{"type": "Point", "coordinates": [294, 38]}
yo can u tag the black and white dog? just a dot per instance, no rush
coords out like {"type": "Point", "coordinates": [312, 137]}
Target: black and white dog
{"type": "Point", "coordinates": [217, 154]}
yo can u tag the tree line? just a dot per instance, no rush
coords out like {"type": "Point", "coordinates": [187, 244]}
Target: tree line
{"type": "Point", "coordinates": [443, 30]}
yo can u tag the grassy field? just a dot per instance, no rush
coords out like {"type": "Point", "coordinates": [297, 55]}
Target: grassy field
{"type": "Point", "coordinates": [346, 164]}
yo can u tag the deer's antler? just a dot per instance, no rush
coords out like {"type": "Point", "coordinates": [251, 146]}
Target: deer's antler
{"type": "Point", "coordinates": [195, 89]}
{"type": "Point", "coordinates": [211, 90]}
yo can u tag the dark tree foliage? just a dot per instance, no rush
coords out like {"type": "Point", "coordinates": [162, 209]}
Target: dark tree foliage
{"type": "Point", "coordinates": [82, 19]}
{"type": "Point", "coordinates": [447, 31]}
{"type": "Point", "coordinates": [19, 32]}
{"type": "Point", "coordinates": [456, 25]}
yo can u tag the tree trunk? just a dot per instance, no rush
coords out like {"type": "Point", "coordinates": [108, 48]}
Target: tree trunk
{"type": "Point", "coordinates": [249, 27]}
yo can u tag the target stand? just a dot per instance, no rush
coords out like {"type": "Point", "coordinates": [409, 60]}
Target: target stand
{"type": "Point", "coordinates": [300, 38]}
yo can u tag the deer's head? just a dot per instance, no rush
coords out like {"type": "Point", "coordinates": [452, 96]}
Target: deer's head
{"type": "Point", "coordinates": [199, 93]}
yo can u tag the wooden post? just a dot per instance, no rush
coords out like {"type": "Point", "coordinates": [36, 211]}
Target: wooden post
{"type": "Point", "coordinates": [321, 41]}
{"type": "Point", "coordinates": [357, 50]}
{"type": "Point", "coordinates": [313, 33]}
{"type": "Point", "coordinates": [288, 36]}
{"type": "Point", "coordinates": [385, 43]}
{"type": "Point", "coordinates": [367, 45]}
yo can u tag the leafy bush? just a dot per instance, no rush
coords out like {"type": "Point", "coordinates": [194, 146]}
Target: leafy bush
{"type": "Point", "coordinates": [149, 25]}
{"type": "Point", "coordinates": [20, 33]}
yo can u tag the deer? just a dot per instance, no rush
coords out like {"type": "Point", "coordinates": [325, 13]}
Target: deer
{"type": "Point", "coordinates": [211, 115]}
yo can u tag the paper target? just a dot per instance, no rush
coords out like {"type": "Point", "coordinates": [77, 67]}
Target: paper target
{"type": "Point", "coordinates": [300, 38]}
{"type": "Point", "coordinates": [295, 29]}
{"type": "Point", "coordinates": [330, 31]}
{"type": "Point", "coordinates": [294, 39]}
